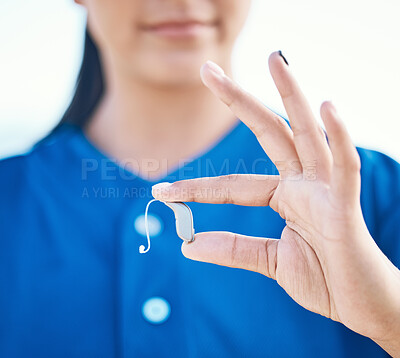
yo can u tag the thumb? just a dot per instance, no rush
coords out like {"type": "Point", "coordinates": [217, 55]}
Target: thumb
{"type": "Point", "coordinates": [256, 254]}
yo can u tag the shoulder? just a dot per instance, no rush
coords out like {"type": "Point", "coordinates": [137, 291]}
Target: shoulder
{"type": "Point", "coordinates": [43, 146]}
{"type": "Point", "coordinates": [13, 170]}
{"type": "Point", "coordinates": [12, 164]}
{"type": "Point", "coordinates": [21, 167]}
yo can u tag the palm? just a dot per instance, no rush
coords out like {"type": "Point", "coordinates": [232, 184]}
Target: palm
{"type": "Point", "coordinates": [298, 262]}
{"type": "Point", "coordinates": [300, 274]}
{"type": "Point", "coordinates": [314, 225]}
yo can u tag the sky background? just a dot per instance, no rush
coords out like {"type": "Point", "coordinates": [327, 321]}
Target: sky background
{"type": "Point", "coordinates": [345, 51]}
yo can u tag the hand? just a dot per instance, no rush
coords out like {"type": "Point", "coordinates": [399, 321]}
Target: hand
{"type": "Point", "coordinates": [326, 260]}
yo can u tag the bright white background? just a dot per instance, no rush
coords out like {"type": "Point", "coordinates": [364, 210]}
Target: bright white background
{"type": "Point", "coordinates": [346, 51]}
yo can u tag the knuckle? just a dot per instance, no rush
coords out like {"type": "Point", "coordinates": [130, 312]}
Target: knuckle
{"type": "Point", "coordinates": [271, 259]}
{"type": "Point", "coordinates": [234, 249]}
{"type": "Point", "coordinates": [230, 95]}
{"type": "Point", "coordinates": [230, 177]}
{"type": "Point", "coordinates": [183, 189]}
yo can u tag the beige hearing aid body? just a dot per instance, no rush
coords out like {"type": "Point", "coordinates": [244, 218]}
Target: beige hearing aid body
{"type": "Point", "coordinates": [183, 222]}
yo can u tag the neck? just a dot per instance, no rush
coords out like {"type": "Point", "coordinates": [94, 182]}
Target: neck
{"type": "Point", "coordinates": [152, 129]}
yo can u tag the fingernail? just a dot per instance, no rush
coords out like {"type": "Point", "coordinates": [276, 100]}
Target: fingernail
{"type": "Point", "coordinates": [215, 68]}
{"type": "Point", "coordinates": [333, 107]}
{"type": "Point", "coordinates": [284, 58]}
{"type": "Point", "coordinates": [160, 187]}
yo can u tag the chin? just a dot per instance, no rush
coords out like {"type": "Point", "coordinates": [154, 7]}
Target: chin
{"type": "Point", "coordinates": [180, 79]}
{"type": "Point", "coordinates": [176, 69]}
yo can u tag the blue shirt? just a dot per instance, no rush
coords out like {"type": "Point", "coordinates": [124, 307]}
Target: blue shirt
{"type": "Point", "coordinates": [73, 283]}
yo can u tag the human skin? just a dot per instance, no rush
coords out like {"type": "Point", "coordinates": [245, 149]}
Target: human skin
{"type": "Point", "coordinates": [144, 68]}
{"type": "Point", "coordinates": [155, 111]}
{"type": "Point", "coordinates": [326, 259]}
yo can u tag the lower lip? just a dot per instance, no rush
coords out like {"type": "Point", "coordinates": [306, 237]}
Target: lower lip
{"type": "Point", "coordinates": [180, 31]}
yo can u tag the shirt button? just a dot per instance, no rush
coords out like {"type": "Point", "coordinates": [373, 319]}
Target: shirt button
{"type": "Point", "coordinates": [154, 222]}
{"type": "Point", "coordinates": [156, 310]}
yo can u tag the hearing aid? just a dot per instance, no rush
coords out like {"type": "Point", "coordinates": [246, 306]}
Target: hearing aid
{"type": "Point", "coordinates": [183, 222]}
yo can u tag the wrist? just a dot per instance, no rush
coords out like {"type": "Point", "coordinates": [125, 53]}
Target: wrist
{"type": "Point", "coordinates": [390, 341]}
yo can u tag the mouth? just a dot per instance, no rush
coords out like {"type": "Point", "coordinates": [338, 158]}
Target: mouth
{"type": "Point", "coordinates": [179, 29]}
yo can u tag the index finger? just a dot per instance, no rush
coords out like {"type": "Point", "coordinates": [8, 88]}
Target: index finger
{"type": "Point", "coordinates": [273, 133]}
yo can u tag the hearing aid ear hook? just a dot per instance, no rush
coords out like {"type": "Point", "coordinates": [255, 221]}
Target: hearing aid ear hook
{"type": "Point", "coordinates": [183, 221]}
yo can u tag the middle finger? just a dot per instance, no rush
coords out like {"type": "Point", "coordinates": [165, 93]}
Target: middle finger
{"type": "Point", "coordinates": [309, 138]}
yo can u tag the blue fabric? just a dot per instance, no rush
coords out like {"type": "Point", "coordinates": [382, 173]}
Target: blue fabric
{"type": "Point", "coordinates": [72, 281]}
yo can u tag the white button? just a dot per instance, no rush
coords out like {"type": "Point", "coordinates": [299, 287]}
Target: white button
{"type": "Point", "coordinates": [156, 310]}
{"type": "Point", "coordinates": [154, 222]}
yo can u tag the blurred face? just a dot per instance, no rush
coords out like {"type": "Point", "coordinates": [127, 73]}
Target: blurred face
{"type": "Point", "coordinates": [165, 41]}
